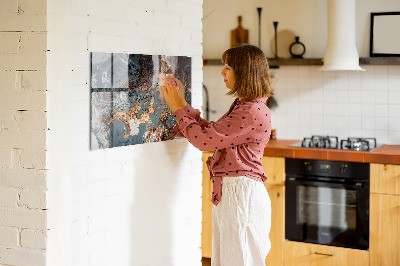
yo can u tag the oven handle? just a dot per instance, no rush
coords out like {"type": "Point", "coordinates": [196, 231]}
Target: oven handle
{"type": "Point", "coordinates": [357, 185]}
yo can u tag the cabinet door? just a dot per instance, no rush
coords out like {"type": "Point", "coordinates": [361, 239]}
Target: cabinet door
{"type": "Point", "coordinates": [274, 168]}
{"type": "Point", "coordinates": [384, 230]}
{"type": "Point", "coordinates": [385, 178]}
{"type": "Point", "coordinates": [304, 254]}
{"type": "Point", "coordinates": [277, 233]}
{"type": "Point", "coordinates": [206, 232]}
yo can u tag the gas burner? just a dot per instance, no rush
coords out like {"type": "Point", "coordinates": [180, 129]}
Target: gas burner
{"type": "Point", "coordinates": [327, 142]}
{"type": "Point", "coordinates": [332, 142]}
{"type": "Point", "coordinates": [358, 144]}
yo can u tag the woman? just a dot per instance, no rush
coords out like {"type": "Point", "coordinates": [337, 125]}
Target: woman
{"type": "Point", "coordinates": [242, 211]}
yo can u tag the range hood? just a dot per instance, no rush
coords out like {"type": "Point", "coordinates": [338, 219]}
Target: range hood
{"type": "Point", "coordinates": [341, 51]}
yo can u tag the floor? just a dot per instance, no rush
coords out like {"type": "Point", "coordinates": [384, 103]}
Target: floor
{"type": "Point", "coordinates": [206, 261]}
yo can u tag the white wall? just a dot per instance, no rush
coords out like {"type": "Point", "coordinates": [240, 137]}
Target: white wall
{"type": "Point", "coordinates": [311, 102]}
{"type": "Point", "coordinates": [306, 19]}
{"type": "Point", "coordinates": [134, 205]}
{"type": "Point", "coordinates": [23, 133]}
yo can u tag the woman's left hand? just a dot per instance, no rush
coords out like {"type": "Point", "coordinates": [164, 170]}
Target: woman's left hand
{"type": "Point", "coordinates": [171, 96]}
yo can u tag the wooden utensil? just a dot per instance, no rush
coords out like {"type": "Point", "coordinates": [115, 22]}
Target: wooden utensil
{"type": "Point", "coordinates": [239, 35]}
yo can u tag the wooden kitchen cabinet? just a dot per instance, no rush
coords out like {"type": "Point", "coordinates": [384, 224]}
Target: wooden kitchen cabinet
{"type": "Point", "coordinates": [305, 254]}
{"type": "Point", "coordinates": [385, 215]}
{"type": "Point", "coordinates": [277, 233]}
{"type": "Point", "coordinates": [274, 168]}
{"type": "Point", "coordinates": [385, 178]}
{"type": "Point", "coordinates": [384, 236]}
{"type": "Point", "coordinates": [206, 225]}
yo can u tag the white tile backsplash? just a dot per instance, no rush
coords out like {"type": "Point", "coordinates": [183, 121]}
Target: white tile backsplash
{"type": "Point", "coordinates": [394, 123]}
{"type": "Point", "coordinates": [367, 96]}
{"type": "Point", "coordinates": [381, 110]}
{"type": "Point", "coordinates": [355, 96]}
{"type": "Point", "coordinates": [394, 137]}
{"type": "Point", "coordinates": [380, 71]}
{"type": "Point", "coordinates": [394, 110]}
{"type": "Point", "coordinates": [381, 97]}
{"type": "Point", "coordinates": [394, 97]}
{"type": "Point", "coordinates": [367, 109]}
{"type": "Point", "coordinates": [382, 136]}
{"type": "Point", "coordinates": [329, 109]}
{"type": "Point", "coordinates": [394, 83]}
{"type": "Point", "coordinates": [381, 84]}
{"type": "Point", "coordinates": [292, 82]}
{"type": "Point", "coordinates": [342, 123]}
{"type": "Point", "coordinates": [345, 103]}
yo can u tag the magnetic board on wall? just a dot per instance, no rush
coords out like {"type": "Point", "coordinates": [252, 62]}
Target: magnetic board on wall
{"type": "Point", "coordinates": [127, 105]}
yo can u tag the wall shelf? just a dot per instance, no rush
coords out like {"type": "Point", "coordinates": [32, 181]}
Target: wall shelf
{"type": "Point", "coordinates": [274, 63]}
{"type": "Point", "coordinates": [380, 61]}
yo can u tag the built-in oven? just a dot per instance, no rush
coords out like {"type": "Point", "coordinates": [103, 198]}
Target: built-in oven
{"type": "Point", "coordinates": [327, 202]}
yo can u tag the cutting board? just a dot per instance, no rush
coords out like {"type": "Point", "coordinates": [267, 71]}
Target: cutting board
{"type": "Point", "coordinates": [239, 35]}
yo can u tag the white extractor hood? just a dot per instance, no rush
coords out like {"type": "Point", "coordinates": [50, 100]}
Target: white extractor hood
{"type": "Point", "coordinates": [341, 51]}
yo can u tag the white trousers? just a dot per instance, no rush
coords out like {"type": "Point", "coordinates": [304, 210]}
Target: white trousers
{"type": "Point", "coordinates": [241, 223]}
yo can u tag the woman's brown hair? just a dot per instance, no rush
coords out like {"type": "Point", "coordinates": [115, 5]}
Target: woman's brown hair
{"type": "Point", "coordinates": [250, 66]}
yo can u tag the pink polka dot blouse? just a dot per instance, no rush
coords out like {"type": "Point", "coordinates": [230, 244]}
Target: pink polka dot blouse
{"type": "Point", "coordinates": [238, 140]}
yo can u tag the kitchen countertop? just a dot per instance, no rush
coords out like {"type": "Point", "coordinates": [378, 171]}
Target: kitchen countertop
{"type": "Point", "coordinates": [389, 154]}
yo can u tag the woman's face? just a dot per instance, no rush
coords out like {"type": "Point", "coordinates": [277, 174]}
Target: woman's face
{"type": "Point", "coordinates": [229, 76]}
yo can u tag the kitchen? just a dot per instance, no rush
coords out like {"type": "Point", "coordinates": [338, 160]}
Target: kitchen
{"type": "Point", "coordinates": [317, 103]}
{"type": "Point", "coordinates": [112, 206]}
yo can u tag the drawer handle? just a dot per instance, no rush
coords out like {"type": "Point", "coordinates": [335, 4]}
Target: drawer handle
{"type": "Point", "coordinates": [324, 254]}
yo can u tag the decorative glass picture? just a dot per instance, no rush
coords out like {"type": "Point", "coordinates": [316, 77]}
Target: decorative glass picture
{"type": "Point", "coordinates": [127, 105]}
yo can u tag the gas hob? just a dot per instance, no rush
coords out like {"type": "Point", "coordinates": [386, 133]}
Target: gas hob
{"type": "Point", "coordinates": [332, 142]}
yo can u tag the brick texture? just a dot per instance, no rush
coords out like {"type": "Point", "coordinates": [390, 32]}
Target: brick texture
{"type": "Point", "coordinates": [9, 237]}
{"type": "Point", "coordinates": [8, 197]}
{"type": "Point", "coordinates": [23, 125]}
{"type": "Point", "coordinates": [23, 218]}
{"type": "Point", "coordinates": [33, 239]}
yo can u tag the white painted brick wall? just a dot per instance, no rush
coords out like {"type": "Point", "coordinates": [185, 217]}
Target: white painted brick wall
{"type": "Point", "coordinates": [23, 132]}
{"type": "Point", "coordinates": [33, 239]}
{"type": "Point", "coordinates": [135, 205]}
{"type": "Point", "coordinates": [9, 237]}
{"type": "Point", "coordinates": [23, 218]}
{"type": "Point", "coordinates": [33, 198]}
{"type": "Point", "coordinates": [23, 178]}
{"type": "Point", "coordinates": [8, 197]}
{"type": "Point", "coordinates": [22, 256]}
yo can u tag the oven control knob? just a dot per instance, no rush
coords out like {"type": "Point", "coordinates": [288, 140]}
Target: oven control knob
{"type": "Point", "coordinates": [308, 166]}
{"type": "Point", "coordinates": [343, 168]}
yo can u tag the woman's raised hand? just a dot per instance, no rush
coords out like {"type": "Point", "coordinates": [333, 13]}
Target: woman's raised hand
{"type": "Point", "coordinates": [174, 94]}
{"type": "Point", "coordinates": [181, 90]}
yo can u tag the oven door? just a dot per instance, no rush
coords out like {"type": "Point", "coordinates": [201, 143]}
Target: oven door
{"type": "Point", "coordinates": [327, 213]}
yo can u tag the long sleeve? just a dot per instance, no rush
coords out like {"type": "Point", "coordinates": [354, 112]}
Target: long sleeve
{"type": "Point", "coordinates": [193, 113]}
{"type": "Point", "coordinates": [230, 131]}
